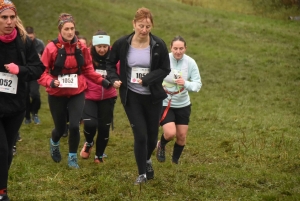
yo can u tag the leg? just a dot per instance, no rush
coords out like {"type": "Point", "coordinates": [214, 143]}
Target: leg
{"type": "Point", "coordinates": [36, 100]}
{"type": "Point", "coordinates": [182, 121]}
{"type": "Point", "coordinates": [136, 117]}
{"type": "Point", "coordinates": [9, 126]}
{"type": "Point", "coordinates": [105, 115]}
{"type": "Point", "coordinates": [90, 124]}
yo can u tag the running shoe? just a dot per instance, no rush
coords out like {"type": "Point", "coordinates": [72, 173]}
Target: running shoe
{"type": "Point", "coordinates": [149, 171]}
{"type": "Point", "coordinates": [175, 160]}
{"type": "Point", "coordinates": [72, 162]}
{"type": "Point", "coordinates": [54, 151]}
{"type": "Point", "coordinates": [36, 119]}
{"type": "Point", "coordinates": [104, 155]}
{"type": "Point", "coordinates": [86, 150]}
{"type": "Point", "coordinates": [98, 160]}
{"type": "Point", "coordinates": [160, 153]}
{"type": "Point", "coordinates": [141, 179]}
{"type": "Point", "coordinates": [19, 138]}
{"type": "Point", "coordinates": [4, 197]}
{"type": "Point", "coordinates": [14, 150]}
{"type": "Point", "coordinates": [27, 121]}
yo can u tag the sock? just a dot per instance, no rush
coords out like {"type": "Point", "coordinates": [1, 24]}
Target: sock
{"type": "Point", "coordinates": [3, 191]}
{"type": "Point", "coordinates": [72, 155]}
{"type": "Point", "coordinates": [177, 150]}
{"type": "Point", "coordinates": [163, 141]}
{"type": "Point", "coordinates": [54, 143]}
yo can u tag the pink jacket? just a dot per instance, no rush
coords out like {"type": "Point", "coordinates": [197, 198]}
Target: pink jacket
{"type": "Point", "coordinates": [48, 59]}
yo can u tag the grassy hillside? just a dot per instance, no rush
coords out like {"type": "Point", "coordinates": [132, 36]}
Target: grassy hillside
{"type": "Point", "coordinates": [243, 141]}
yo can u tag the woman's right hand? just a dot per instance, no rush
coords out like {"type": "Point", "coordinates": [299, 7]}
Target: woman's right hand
{"type": "Point", "coordinates": [117, 84]}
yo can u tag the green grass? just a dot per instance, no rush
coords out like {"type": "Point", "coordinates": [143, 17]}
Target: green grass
{"type": "Point", "coordinates": [243, 140]}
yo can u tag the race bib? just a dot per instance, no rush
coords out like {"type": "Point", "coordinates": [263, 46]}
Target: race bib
{"type": "Point", "coordinates": [68, 81]}
{"type": "Point", "coordinates": [102, 72]}
{"type": "Point", "coordinates": [137, 73]}
{"type": "Point", "coordinates": [8, 83]}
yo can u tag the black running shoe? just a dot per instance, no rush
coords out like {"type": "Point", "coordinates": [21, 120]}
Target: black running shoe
{"type": "Point", "coordinates": [54, 151]}
{"type": "Point", "coordinates": [149, 171]}
{"type": "Point", "coordinates": [4, 197]}
{"type": "Point", "coordinates": [160, 153]}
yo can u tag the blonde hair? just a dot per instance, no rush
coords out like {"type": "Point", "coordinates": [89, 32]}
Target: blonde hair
{"type": "Point", "coordinates": [21, 28]}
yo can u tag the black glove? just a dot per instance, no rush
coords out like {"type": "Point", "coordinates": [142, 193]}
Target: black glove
{"type": "Point", "coordinates": [106, 84]}
{"type": "Point", "coordinates": [52, 84]}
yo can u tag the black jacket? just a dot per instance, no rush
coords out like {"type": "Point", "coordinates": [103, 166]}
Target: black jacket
{"type": "Point", "coordinates": [10, 53]}
{"type": "Point", "coordinates": [160, 66]}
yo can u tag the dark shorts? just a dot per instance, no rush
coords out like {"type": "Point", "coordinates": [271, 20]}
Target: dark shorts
{"type": "Point", "coordinates": [181, 116]}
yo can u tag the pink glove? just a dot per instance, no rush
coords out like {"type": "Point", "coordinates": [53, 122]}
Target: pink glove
{"type": "Point", "coordinates": [13, 68]}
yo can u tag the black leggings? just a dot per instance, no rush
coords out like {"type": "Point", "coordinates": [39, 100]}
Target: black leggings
{"type": "Point", "coordinates": [33, 98]}
{"type": "Point", "coordinates": [61, 108]}
{"type": "Point", "coordinates": [98, 115]}
{"type": "Point", "coordinates": [144, 118]}
{"type": "Point", "coordinates": [9, 127]}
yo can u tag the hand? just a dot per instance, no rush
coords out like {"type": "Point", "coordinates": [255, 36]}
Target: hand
{"type": "Point", "coordinates": [140, 81]}
{"type": "Point", "coordinates": [180, 81]}
{"type": "Point", "coordinates": [54, 83]}
{"type": "Point", "coordinates": [117, 84]}
{"type": "Point", "coordinates": [12, 68]}
{"type": "Point", "coordinates": [106, 84]}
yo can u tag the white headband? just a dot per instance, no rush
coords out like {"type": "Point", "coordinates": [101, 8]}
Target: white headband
{"type": "Point", "coordinates": [101, 40]}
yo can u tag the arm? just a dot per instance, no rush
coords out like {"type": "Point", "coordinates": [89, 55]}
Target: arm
{"type": "Point", "coordinates": [161, 60]}
{"type": "Point", "coordinates": [47, 58]}
{"type": "Point", "coordinates": [34, 67]}
{"type": "Point", "coordinates": [194, 82]}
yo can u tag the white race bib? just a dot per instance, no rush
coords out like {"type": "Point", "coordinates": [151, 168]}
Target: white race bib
{"type": "Point", "coordinates": [137, 73]}
{"type": "Point", "coordinates": [8, 83]}
{"type": "Point", "coordinates": [68, 81]}
{"type": "Point", "coordinates": [102, 72]}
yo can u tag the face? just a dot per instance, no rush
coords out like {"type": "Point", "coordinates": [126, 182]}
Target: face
{"type": "Point", "coordinates": [101, 49]}
{"type": "Point", "coordinates": [142, 27]}
{"type": "Point", "coordinates": [31, 36]}
{"type": "Point", "coordinates": [82, 41]}
{"type": "Point", "coordinates": [7, 21]}
{"type": "Point", "coordinates": [178, 49]}
{"type": "Point", "coordinates": [68, 31]}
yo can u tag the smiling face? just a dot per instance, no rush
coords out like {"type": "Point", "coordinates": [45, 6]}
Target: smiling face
{"type": "Point", "coordinates": [142, 27]}
{"type": "Point", "coordinates": [178, 49]}
{"type": "Point", "coordinates": [7, 21]}
{"type": "Point", "coordinates": [68, 31]}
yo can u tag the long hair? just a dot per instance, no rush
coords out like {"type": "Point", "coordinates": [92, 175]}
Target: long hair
{"type": "Point", "coordinates": [21, 28]}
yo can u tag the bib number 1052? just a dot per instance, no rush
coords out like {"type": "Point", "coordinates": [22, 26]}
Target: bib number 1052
{"type": "Point", "coordinates": [8, 83]}
{"type": "Point", "coordinates": [5, 82]}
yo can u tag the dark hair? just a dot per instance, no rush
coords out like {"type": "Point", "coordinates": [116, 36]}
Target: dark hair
{"type": "Point", "coordinates": [100, 32]}
{"type": "Point", "coordinates": [29, 30]}
{"type": "Point", "coordinates": [178, 38]}
{"type": "Point", "coordinates": [77, 33]}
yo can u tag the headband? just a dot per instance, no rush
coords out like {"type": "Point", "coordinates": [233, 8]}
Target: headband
{"type": "Point", "coordinates": [7, 4]}
{"type": "Point", "coordinates": [101, 40]}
